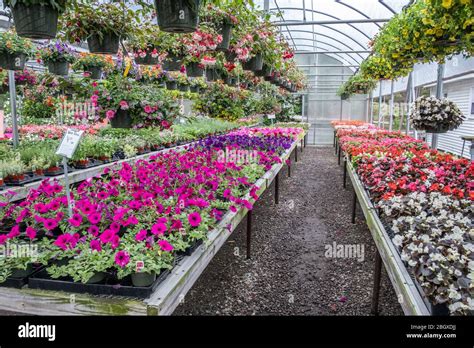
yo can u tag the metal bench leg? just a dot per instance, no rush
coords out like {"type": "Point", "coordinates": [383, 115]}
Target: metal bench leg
{"type": "Point", "coordinates": [249, 233]}
{"type": "Point", "coordinates": [377, 277]}
{"type": "Point", "coordinates": [354, 206]}
{"type": "Point", "coordinates": [296, 153]}
{"type": "Point", "coordinates": [345, 174]}
{"type": "Point", "coordinates": [277, 189]}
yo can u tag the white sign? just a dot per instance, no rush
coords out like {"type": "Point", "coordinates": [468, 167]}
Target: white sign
{"type": "Point", "coordinates": [271, 116]}
{"type": "Point", "coordinates": [69, 143]}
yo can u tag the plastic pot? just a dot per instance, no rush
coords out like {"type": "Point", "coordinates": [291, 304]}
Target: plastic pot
{"type": "Point", "coordinates": [95, 71]}
{"type": "Point", "coordinates": [194, 70]}
{"type": "Point", "coordinates": [143, 279]}
{"type": "Point", "coordinates": [254, 64]}
{"type": "Point", "coordinates": [194, 89]}
{"type": "Point", "coordinates": [178, 16]}
{"type": "Point", "coordinates": [10, 61]}
{"type": "Point", "coordinates": [265, 72]}
{"type": "Point", "coordinates": [60, 68]}
{"type": "Point", "coordinates": [22, 273]}
{"type": "Point", "coordinates": [147, 60]}
{"type": "Point", "coordinates": [231, 81]}
{"type": "Point", "coordinates": [183, 88]}
{"type": "Point", "coordinates": [230, 56]}
{"type": "Point", "coordinates": [96, 278]}
{"type": "Point", "coordinates": [171, 85]}
{"type": "Point", "coordinates": [121, 120]}
{"type": "Point", "coordinates": [437, 130]}
{"type": "Point", "coordinates": [35, 21]}
{"type": "Point", "coordinates": [226, 32]}
{"type": "Point", "coordinates": [212, 74]}
{"type": "Point", "coordinates": [107, 44]}
{"type": "Point", "coordinates": [172, 63]}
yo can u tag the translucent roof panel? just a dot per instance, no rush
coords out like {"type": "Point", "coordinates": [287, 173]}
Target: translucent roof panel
{"type": "Point", "coordinates": [347, 40]}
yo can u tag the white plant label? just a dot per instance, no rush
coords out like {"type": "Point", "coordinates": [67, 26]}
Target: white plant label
{"type": "Point", "coordinates": [69, 143]}
{"type": "Point", "coordinates": [271, 116]}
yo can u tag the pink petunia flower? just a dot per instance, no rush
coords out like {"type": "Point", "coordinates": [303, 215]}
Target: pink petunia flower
{"type": "Point", "coordinates": [122, 258]}
{"type": "Point", "coordinates": [194, 219]}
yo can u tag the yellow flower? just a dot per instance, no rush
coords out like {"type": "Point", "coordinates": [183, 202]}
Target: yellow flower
{"type": "Point", "coordinates": [447, 3]}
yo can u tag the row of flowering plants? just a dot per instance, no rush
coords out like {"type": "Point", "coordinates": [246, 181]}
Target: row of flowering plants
{"type": "Point", "coordinates": [131, 222]}
{"type": "Point", "coordinates": [426, 198]}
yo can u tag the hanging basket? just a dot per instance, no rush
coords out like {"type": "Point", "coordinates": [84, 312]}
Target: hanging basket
{"type": "Point", "coordinates": [172, 63]}
{"type": "Point", "coordinates": [194, 70]}
{"type": "Point", "coordinates": [147, 60]}
{"type": "Point", "coordinates": [212, 74]}
{"type": "Point", "coordinates": [10, 61]}
{"type": "Point", "coordinates": [183, 88]}
{"type": "Point", "coordinates": [95, 72]}
{"type": "Point", "coordinates": [122, 119]}
{"type": "Point", "coordinates": [436, 130]}
{"type": "Point", "coordinates": [60, 68]}
{"type": "Point", "coordinates": [265, 72]}
{"type": "Point", "coordinates": [177, 16]}
{"type": "Point", "coordinates": [172, 85]}
{"type": "Point", "coordinates": [35, 21]}
{"type": "Point", "coordinates": [194, 89]}
{"type": "Point", "coordinates": [226, 32]}
{"type": "Point", "coordinates": [231, 81]}
{"type": "Point", "coordinates": [107, 44]}
{"type": "Point", "coordinates": [254, 64]}
{"type": "Point", "coordinates": [230, 56]}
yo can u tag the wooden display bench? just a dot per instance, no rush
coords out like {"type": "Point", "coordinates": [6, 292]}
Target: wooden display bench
{"type": "Point", "coordinates": [169, 293]}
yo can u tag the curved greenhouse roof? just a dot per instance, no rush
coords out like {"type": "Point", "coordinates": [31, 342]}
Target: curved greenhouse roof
{"type": "Point", "coordinates": [341, 29]}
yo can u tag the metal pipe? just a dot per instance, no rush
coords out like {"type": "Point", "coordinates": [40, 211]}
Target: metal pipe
{"type": "Point", "coordinates": [12, 88]}
{"type": "Point", "coordinates": [380, 103]}
{"type": "Point", "coordinates": [330, 52]}
{"type": "Point", "coordinates": [328, 66]}
{"type": "Point", "coordinates": [339, 21]}
{"type": "Point", "coordinates": [439, 95]}
{"type": "Point", "coordinates": [392, 101]}
{"type": "Point", "coordinates": [371, 107]}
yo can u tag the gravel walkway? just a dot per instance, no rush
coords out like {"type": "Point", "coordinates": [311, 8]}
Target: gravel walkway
{"type": "Point", "coordinates": [289, 273]}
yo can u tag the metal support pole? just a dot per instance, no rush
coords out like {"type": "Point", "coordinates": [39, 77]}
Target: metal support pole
{"type": "Point", "coordinates": [439, 95]}
{"type": "Point", "coordinates": [296, 154]}
{"type": "Point", "coordinates": [277, 189]}
{"type": "Point", "coordinates": [392, 101]}
{"type": "Point", "coordinates": [12, 88]}
{"type": "Point", "coordinates": [339, 156]}
{"type": "Point", "coordinates": [410, 98]}
{"type": "Point", "coordinates": [66, 183]}
{"type": "Point", "coordinates": [289, 168]}
{"type": "Point", "coordinates": [249, 233]}
{"type": "Point", "coordinates": [345, 174]}
{"type": "Point", "coordinates": [354, 206]}
{"type": "Point", "coordinates": [302, 145]}
{"type": "Point", "coordinates": [380, 104]}
{"type": "Point", "coordinates": [371, 107]}
{"type": "Point", "coordinates": [334, 139]}
{"type": "Point", "coordinates": [377, 278]}
{"type": "Point", "coordinates": [340, 110]}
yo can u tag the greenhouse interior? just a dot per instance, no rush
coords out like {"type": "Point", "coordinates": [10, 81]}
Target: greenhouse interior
{"type": "Point", "coordinates": [237, 158]}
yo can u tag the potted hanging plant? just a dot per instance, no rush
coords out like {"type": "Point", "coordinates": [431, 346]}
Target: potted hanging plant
{"type": "Point", "coordinates": [144, 46]}
{"type": "Point", "coordinates": [222, 20]}
{"type": "Point", "coordinates": [434, 115]}
{"type": "Point", "coordinates": [93, 64]}
{"type": "Point", "coordinates": [197, 84]}
{"type": "Point", "coordinates": [14, 50]}
{"type": "Point", "coordinates": [173, 50]}
{"type": "Point", "coordinates": [36, 19]}
{"type": "Point", "coordinates": [57, 56]}
{"type": "Point", "coordinates": [171, 82]}
{"type": "Point", "coordinates": [196, 45]}
{"type": "Point", "coordinates": [183, 82]}
{"type": "Point", "coordinates": [177, 16]}
{"type": "Point", "coordinates": [102, 25]}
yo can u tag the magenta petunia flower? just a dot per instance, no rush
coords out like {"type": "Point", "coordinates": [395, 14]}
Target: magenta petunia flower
{"type": "Point", "coordinates": [122, 258]}
{"type": "Point", "coordinates": [50, 224]}
{"type": "Point", "coordinates": [31, 232]}
{"type": "Point", "coordinates": [95, 245]}
{"type": "Point", "coordinates": [95, 218]}
{"type": "Point", "coordinates": [141, 236]}
{"type": "Point", "coordinates": [159, 229]}
{"type": "Point", "coordinates": [93, 230]}
{"type": "Point", "coordinates": [76, 220]}
{"type": "Point", "coordinates": [194, 219]}
{"type": "Point", "coordinates": [165, 245]}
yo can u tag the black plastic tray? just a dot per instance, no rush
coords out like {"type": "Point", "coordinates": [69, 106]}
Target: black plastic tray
{"type": "Point", "coordinates": [18, 283]}
{"type": "Point", "coordinates": [43, 281]}
{"type": "Point", "coordinates": [27, 180]}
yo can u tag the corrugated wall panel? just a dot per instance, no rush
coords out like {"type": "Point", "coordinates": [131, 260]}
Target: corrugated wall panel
{"type": "Point", "coordinates": [460, 93]}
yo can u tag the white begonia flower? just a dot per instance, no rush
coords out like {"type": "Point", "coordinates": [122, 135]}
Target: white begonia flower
{"type": "Point", "coordinates": [453, 293]}
{"type": "Point", "coordinates": [398, 240]}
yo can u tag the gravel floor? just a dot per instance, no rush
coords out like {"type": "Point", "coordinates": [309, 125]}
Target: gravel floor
{"type": "Point", "coordinates": [290, 272]}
